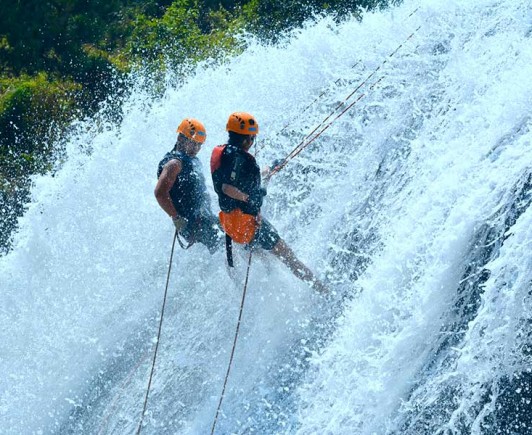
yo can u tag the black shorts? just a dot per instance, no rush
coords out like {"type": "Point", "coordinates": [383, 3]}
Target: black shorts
{"type": "Point", "coordinates": [266, 236]}
{"type": "Point", "coordinates": [206, 230]}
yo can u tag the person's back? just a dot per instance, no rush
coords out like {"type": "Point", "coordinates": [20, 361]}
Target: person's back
{"type": "Point", "coordinates": [189, 192]}
{"type": "Point", "coordinates": [234, 160]}
{"type": "Point", "coordinates": [237, 182]}
{"type": "Point", "coordinates": [181, 191]}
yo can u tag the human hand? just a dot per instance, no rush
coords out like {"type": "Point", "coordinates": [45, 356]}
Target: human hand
{"type": "Point", "coordinates": [267, 172]}
{"type": "Point", "coordinates": [256, 198]}
{"type": "Point", "coordinates": [180, 223]}
{"type": "Point", "coordinates": [276, 163]}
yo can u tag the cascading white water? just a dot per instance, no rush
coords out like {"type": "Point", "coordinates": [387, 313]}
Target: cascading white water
{"type": "Point", "coordinates": [415, 203]}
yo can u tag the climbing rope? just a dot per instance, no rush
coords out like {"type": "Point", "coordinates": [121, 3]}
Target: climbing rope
{"type": "Point", "coordinates": [120, 391]}
{"type": "Point", "coordinates": [309, 138]}
{"type": "Point", "coordinates": [158, 336]}
{"type": "Point", "coordinates": [325, 92]}
{"type": "Point", "coordinates": [234, 344]}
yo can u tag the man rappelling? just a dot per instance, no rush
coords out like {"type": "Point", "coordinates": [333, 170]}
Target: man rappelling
{"type": "Point", "coordinates": [237, 181]}
{"type": "Point", "coordinates": [181, 191]}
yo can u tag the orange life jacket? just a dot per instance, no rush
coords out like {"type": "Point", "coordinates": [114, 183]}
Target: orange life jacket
{"type": "Point", "coordinates": [239, 226]}
{"type": "Point", "coordinates": [216, 157]}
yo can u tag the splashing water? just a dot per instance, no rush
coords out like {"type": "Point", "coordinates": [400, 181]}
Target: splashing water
{"type": "Point", "coordinates": [415, 203]}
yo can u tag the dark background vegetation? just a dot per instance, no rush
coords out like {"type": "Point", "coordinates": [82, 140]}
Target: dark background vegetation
{"type": "Point", "coordinates": [60, 59]}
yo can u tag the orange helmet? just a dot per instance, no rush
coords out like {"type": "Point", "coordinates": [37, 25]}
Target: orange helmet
{"type": "Point", "coordinates": [242, 123]}
{"type": "Point", "coordinates": [193, 129]}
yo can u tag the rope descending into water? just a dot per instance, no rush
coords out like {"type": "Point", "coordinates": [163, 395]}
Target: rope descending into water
{"type": "Point", "coordinates": [234, 344]}
{"type": "Point", "coordinates": [158, 336]}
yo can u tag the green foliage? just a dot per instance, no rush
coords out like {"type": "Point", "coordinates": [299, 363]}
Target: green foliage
{"type": "Point", "coordinates": [273, 19]}
{"type": "Point", "coordinates": [184, 35]}
{"type": "Point", "coordinates": [49, 35]}
{"type": "Point", "coordinates": [58, 59]}
{"type": "Point", "coordinates": [33, 111]}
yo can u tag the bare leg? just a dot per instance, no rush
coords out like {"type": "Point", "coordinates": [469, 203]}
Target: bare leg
{"type": "Point", "coordinates": [282, 251]}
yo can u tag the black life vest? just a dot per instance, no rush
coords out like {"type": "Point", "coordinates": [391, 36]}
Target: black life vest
{"type": "Point", "coordinates": [238, 168]}
{"type": "Point", "coordinates": [189, 192]}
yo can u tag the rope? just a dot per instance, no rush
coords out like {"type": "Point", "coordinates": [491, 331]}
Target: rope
{"type": "Point", "coordinates": [308, 139]}
{"type": "Point", "coordinates": [300, 147]}
{"type": "Point", "coordinates": [324, 92]}
{"type": "Point", "coordinates": [119, 394]}
{"type": "Point", "coordinates": [234, 344]}
{"type": "Point", "coordinates": [158, 336]}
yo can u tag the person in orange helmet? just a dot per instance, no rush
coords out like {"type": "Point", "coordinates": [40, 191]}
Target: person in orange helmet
{"type": "Point", "coordinates": [181, 191]}
{"type": "Point", "coordinates": [237, 182]}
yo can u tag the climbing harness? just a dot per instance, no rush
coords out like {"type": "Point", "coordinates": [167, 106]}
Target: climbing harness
{"type": "Point", "coordinates": [239, 227]}
{"type": "Point", "coordinates": [234, 343]}
{"type": "Point", "coordinates": [183, 242]}
{"type": "Point", "coordinates": [158, 336]}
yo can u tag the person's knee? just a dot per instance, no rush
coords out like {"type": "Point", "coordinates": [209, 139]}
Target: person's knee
{"type": "Point", "coordinates": [279, 247]}
{"type": "Point", "coordinates": [282, 250]}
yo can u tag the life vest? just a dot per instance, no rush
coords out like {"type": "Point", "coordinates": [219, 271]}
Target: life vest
{"type": "Point", "coordinates": [238, 168]}
{"type": "Point", "coordinates": [188, 193]}
{"type": "Point", "coordinates": [216, 157]}
{"type": "Point", "coordinates": [238, 226]}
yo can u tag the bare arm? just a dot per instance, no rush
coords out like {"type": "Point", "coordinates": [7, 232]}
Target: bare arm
{"type": "Point", "coordinates": [164, 185]}
{"type": "Point", "coordinates": [233, 192]}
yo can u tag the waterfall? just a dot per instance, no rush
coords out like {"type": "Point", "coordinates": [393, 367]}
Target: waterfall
{"type": "Point", "coordinates": [413, 206]}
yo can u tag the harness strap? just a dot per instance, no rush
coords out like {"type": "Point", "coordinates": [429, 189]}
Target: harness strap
{"type": "Point", "coordinates": [229, 250]}
{"type": "Point", "coordinates": [182, 243]}
{"type": "Point", "coordinates": [192, 236]}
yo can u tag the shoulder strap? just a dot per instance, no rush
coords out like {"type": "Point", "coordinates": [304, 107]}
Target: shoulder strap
{"type": "Point", "coordinates": [216, 157]}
